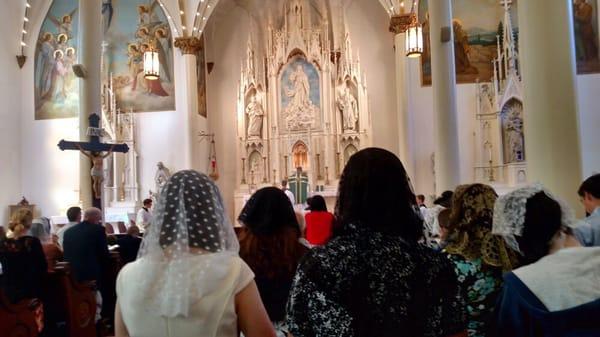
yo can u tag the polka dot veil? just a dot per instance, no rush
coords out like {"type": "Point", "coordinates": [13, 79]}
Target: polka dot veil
{"type": "Point", "coordinates": [186, 248]}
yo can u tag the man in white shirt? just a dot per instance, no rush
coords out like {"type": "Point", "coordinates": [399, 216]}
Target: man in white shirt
{"type": "Point", "coordinates": [144, 216]}
{"type": "Point", "coordinates": [588, 231]}
{"type": "Point", "coordinates": [287, 192]}
{"type": "Point", "coordinates": [74, 217]}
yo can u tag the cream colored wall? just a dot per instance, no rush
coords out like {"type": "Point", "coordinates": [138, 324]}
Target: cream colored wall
{"type": "Point", "coordinates": [10, 110]}
{"type": "Point", "coordinates": [226, 48]}
{"type": "Point", "coordinates": [368, 24]}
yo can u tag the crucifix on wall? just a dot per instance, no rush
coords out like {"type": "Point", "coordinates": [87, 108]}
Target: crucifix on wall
{"type": "Point", "coordinates": [97, 152]}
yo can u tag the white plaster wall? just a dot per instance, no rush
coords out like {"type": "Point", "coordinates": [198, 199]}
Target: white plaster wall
{"type": "Point", "coordinates": [588, 87]}
{"type": "Point", "coordinates": [420, 105]}
{"type": "Point", "coordinates": [225, 45]}
{"type": "Point", "coordinates": [368, 25]}
{"type": "Point", "coordinates": [10, 108]}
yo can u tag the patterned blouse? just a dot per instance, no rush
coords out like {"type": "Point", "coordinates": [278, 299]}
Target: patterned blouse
{"type": "Point", "coordinates": [481, 286]}
{"type": "Point", "coordinates": [365, 283]}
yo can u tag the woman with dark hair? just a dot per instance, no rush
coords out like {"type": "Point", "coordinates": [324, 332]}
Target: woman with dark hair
{"type": "Point", "coordinates": [188, 279]}
{"type": "Point", "coordinates": [269, 245]}
{"type": "Point", "coordinates": [319, 222]}
{"type": "Point", "coordinates": [479, 257]}
{"type": "Point", "coordinates": [557, 291]}
{"type": "Point", "coordinates": [374, 278]}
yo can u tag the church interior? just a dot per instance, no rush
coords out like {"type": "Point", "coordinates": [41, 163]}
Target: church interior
{"type": "Point", "coordinates": [104, 100]}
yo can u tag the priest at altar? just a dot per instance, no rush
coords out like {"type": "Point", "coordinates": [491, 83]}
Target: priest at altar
{"type": "Point", "coordinates": [298, 184]}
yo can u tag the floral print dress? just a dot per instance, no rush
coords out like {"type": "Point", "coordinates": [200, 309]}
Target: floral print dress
{"type": "Point", "coordinates": [364, 283]}
{"type": "Point", "coordinates": [481, 286]}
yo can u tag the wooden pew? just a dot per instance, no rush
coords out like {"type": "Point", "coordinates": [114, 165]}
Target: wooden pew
{"type": "Point", "coordinates": [71, 302]}
{"type": "Point", "coordinates": [17, 320]}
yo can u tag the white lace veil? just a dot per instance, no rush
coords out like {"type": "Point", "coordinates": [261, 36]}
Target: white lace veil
{"type": "Point", "coordinates": [186, 250]}
{"type": "Point", "coordinates": [510, 209]}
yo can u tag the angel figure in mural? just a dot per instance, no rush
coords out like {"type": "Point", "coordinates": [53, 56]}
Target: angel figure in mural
{"type": "Point", "coordinates": [161, 177]}
{"type": "Point", "coordinates": [97, 171]}
{"type": "Point", "coordinates": [151, 87]}
{"type": "Point", "coordinates": [255, 113]}
{"type": "Point", "coordinates": [69, 61]}
{"type": "Point", "coordinates": [349, 108]}
{"type": "Point", "coordinates": [45, 62]}
{"type": "Point", "coordinates": [59, 74]}
{"type": "Point", "coordinates": [162, 43]}
{"type": "Point", "coordinates": [462, 49]}
{"type": "Point", "coordinates": [65, 24]}
{"type": "Point", "coordinates": [134, 62]}
{"type": "Point", "coordinates": [585, 37]}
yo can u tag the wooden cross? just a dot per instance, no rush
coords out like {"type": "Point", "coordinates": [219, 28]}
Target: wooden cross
{"type": "Point", "coordinates": [93, 146]}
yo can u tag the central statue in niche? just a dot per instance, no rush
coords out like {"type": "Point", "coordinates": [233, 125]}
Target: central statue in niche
{"type": "Point", "coordinates": [300, 111]}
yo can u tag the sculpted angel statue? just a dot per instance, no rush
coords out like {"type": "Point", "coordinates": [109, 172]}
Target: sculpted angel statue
{"type": "Point", "coordinates": [255, 113]}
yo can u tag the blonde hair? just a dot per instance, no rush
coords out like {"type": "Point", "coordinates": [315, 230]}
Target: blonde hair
{"type": "Point", "coordinates": [19, 222]}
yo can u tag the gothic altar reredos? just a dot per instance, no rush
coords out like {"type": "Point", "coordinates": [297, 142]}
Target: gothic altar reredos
{"type": "Point", "coordinates": [301, 104]}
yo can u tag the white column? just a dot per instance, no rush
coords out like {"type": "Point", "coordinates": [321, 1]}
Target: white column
{"type": "Point", "coordinates": [447, 164]}
{"type": "Point", "coordinates": [195, 152]}
{"type": "Point", "coordinates": [90, 54]}
{"type": "Point", "coordinates": [551, 122]}
{"type": "Point", "coordinates": [399, 25]}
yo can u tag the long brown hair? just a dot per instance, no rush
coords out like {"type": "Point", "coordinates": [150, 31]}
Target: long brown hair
{"type": "Point", "coordinates": [269, 241]}
{"type": "Point", "coordinates": [271, 256]}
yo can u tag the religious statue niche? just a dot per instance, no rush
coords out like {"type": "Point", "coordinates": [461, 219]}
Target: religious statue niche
{"type": "Point", "coordinates": [136, 27]}
{"type": "Point", "coordinates": [56, 89]}
{"type": "Point", "coordinates": [348, 106]}
{"type": "Point", "coordinates": [255, 114]}
{"type": "Point", "coordinates": [255, 167]}
{"type": "Point", "coordinates": [300, 94]}
{"type": "Point", "coordinates": [297, 106]}
{"type": "Point", "coordinates": [512, 132]}
{"type": "Point", "coordinates": [300, 156]}
{"type": "Point", "coordinates": [349, 151]}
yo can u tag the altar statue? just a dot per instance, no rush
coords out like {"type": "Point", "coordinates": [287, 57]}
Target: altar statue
{"type": "Point", "coordinates": [255, 113]}
{"type": "Point", "coordinates": [348, 106]}
{"type": "Point", "coordinates": [300, 111]}
{"type": "Point", "coordinates": [513, 130]}
{"type": "Point", "coordinates": [162, 175]}
{"type": "Point", "coordinates": [300, 89]}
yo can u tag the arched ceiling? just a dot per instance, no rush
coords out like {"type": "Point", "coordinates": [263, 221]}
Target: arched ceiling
{"type": "Point", "coordinates": [188, 17]}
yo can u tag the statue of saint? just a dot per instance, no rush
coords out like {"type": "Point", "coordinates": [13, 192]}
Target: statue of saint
{"type": "Point", "coordinates": [162, 176]}
{"type": "Point", "coordinates": [513, 130]}
{"type": "Point", "coordinates": [255, 113]}
{"type": "Point", "coordinates": [349, 108]}
{"type": "Point", "coordinates": [97, 171]}
{"type": "Point", "coordinates": [485, 99]}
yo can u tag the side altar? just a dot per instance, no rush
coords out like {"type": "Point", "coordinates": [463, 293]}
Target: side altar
{"type": "Point", "coordinates": [302, 105]}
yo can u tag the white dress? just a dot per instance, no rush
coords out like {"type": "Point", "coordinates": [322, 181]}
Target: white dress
{"type": "Point", "coordinates": [212, 315]}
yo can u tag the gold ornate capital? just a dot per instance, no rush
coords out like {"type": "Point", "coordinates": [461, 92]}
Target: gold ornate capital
{"type": "Point", "coordinates": [400, 23]}
{"type": "Point", "coordinates": [188, 45]}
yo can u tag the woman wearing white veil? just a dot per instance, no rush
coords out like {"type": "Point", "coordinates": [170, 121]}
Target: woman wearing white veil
{"type": "Point", "coordinates": [188, 279]}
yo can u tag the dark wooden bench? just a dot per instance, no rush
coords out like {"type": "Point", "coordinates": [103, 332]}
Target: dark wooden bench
{"type": "Point", "coordinates": [18, 320]}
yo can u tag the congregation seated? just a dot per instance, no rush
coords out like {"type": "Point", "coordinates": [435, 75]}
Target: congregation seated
{"type": "Point", "coordinates": [588, 232]}
{"type": "Point", "coordinates": [129, 244]}
{"type": "Point", "coordinates": [374, 278]}
{"type": "Point", "coordinates": [189, 279]}
{"type": "Point", "coordinates": [319, 222]}
{"type": "Point", "coordinates": [270, 245]}
{"type": "Point", "coordinates": [556, 292]}
{"type": "Point", "coordinates": [478, 256]}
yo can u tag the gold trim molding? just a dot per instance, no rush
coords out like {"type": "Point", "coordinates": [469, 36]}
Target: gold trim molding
{"type": "Point", "coordinates": [188, 45]}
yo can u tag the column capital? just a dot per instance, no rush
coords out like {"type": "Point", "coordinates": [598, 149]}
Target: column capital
{"type": "Point", "coordinates": [399, 23]}
{"type": "Point", "coordinates": [188, 45]}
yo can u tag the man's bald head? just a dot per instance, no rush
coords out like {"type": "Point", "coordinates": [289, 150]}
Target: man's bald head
{"type": "Point", "coordinates": [92, 215]}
